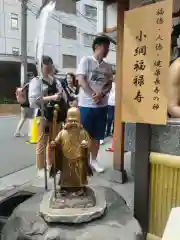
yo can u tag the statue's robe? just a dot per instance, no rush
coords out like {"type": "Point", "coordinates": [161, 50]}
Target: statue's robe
{"type": "Point", "coordinates": [71, 158]}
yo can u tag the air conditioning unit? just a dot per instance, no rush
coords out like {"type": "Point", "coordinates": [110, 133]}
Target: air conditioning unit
{"type": "Point", "coordinates": [15, 51]}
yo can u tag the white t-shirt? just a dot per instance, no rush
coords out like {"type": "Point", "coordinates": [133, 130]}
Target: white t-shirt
{"type": "Point", "coordinates": [111, 100]}
{"type": "Point", "coordinates": [96, 75]}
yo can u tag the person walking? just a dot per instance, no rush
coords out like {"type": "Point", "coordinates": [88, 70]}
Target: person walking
{"type": "Point", "coordinates": [51, 94]}
{"type": "Point", "coordinates": [95, 80]}
{"type": "Point", "coordinates": [26, 111]}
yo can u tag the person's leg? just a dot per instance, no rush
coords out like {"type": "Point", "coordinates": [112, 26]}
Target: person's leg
{"type": "Point", "coordinates": [99, 124]}
{"type": "Point", "coordinates": [94, 148]}
{"type": "Point", "coordinates": [21, 123]}
{"type": "Point", "coordinates": [88, 121]}
{"type": "Point", "coordinates": [41, 147]}
{"type": "Point", "coordinates": [113, 121]}
{"type": "Point", "coordinates": [110, 117]}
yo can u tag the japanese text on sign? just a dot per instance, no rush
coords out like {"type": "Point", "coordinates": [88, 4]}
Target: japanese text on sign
{"type": "Point", "coordinates": [146, 58]}
{"type": "Point", "coordinates": [139, 66]}
{"type": "Point", "coordinates": [158, 64]}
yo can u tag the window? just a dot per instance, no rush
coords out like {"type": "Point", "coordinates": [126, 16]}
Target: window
{"type": "Point", "coordinates": [88, 39]}
{"type": "Point", "coordinates": [90, 12]}
{"type": "Point", "coordinates": [15, 51]}
{"type": "Point", "coordinates": [14, 21]}
{"type": "Point", "coordinates": [68, 32]}
{"type": "Point", "coordinates": [67, 6]}
{"type": "Point", "coordinates": [69, 61]}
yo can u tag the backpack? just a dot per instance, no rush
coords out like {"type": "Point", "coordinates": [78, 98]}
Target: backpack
{"type": "Point", "coordinates": [21, 94]}
{"type": "Point", "coordinates": [49, 106]}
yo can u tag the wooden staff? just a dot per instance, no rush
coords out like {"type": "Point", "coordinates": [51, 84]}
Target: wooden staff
{"type": "Point", "coordinates": [54, 133]}
{"type": "Point", "coordinates": [43, 122]}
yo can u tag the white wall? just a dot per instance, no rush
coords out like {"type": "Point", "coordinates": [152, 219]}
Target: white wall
{"type": "Point", "coordinates": [111, 15]}
{"type": "Point", "coordinates": [111, 20]}
{"type": "Point", "coordinates": [8, 37]}
{"type": "Point", "coordinates": [54, 44]}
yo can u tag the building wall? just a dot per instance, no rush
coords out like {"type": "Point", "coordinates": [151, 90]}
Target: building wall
{"type": "Point", "coordinates": [111, 19]}
{"type": "Point", "coordinates": [55, 45]}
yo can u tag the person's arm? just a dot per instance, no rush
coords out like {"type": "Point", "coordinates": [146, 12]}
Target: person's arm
{"type": "Point", "coordinates": [82, 76]}
{"type": "Point", "coordinates": [97, 97]}
{"type": "Point", "coordinates": [34, 94]}
{"type": "Point", "coordinates": [174, 90]}
{"type": "Point", "coordinates": [61, 91]}
{"type": "Point", "coordinates": [107, 87]}
{"type": "Point", "coordinates": [50, 98]}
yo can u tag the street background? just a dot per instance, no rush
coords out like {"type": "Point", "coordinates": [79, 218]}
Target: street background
{"type": "Point", "coordinates": [16, 154]}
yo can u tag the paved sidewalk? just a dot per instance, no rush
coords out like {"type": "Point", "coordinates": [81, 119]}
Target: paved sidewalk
{"type": "Point", "coordinates": [28, 176]}
{"type": "Point", "coordinates": [15, 153]}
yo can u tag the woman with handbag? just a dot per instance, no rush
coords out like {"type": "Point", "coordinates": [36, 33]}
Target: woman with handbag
{"type": "Point", "coordinates": [47, 90]}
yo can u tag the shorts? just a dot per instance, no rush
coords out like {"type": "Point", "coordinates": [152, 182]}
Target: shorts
{"type": "Point", "coordinates": [27, 112]}
{"type": "Point", "coordinates": [94, 121]}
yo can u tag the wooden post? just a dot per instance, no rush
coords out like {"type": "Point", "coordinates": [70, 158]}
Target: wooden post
{"type": "Point", "coordinates": [118, 126]}
{"type": "Point", "coordinates": [142, 175]}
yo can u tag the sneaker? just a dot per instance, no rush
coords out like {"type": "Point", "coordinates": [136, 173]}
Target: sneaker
{"type": "Point", "coordinates": [96, 167]}
{"type": "Point", "coordinates": [18, 135]}
{"type": "Point", "coordinates": [101, 142]}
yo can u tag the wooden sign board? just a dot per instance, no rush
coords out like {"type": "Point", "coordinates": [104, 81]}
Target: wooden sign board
{"type": "Point", "coordinates": [146, 58]}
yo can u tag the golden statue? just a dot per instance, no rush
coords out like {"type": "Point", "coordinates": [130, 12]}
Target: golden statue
{"type": "Point", "coordinates": [72, 155]}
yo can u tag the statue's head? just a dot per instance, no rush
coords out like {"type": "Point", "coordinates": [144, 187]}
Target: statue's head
{"type": "Point", "coordinates": [73, 118]}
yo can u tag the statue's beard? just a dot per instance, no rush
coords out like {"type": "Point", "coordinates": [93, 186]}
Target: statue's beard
{"type": "Point", "coordinates": [73, 126]}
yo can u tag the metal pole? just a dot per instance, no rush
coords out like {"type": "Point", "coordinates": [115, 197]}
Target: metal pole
{"type": "Point", "coordinates": [39, 63]}
{"type": "Point", "coordinates": [23, 41]}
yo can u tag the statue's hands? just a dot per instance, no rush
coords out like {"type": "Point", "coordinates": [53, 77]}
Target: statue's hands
{"type": "Point", "coordinates": [53, 144]}
{"type": "Point", "coordinates": [84, 144]}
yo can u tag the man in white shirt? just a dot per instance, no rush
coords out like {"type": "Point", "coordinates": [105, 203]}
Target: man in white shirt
{"type": "Point", "coordinates": [95, 80]}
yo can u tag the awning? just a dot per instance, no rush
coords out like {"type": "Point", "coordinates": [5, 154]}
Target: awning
{"type": "Point", "coordinates": [12, 58]}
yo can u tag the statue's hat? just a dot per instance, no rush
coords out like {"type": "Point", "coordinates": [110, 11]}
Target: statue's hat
{"type": "Point", "coordinates": [73, 114]}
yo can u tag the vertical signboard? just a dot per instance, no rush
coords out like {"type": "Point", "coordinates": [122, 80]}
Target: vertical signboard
{"type": "Point", "coordinates": [146, 58]}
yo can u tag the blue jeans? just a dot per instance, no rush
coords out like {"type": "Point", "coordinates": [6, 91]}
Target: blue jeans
{"type": "Point", "coordinates": [94, 121]}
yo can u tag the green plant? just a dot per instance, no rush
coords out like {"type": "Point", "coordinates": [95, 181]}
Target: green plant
{"type": "Point", "coordinates": [7, 101]}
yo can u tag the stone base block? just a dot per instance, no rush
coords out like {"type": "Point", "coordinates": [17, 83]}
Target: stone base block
{"type": "Point", "coordinates": [72, 213]}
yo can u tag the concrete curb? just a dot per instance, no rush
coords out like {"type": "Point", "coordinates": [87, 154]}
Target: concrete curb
{"type": "Point", "coordinates": [6, 116]}
{"type": "Point", "coordinates": [18, 178]}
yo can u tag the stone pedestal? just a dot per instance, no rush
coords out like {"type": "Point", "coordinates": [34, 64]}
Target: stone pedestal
{"type": "Point", "coordinates": [73, 210]}
{"type": "Point", "coordinates": [166, 138]}
{"type": "Point", "coordinates": [118, 223]}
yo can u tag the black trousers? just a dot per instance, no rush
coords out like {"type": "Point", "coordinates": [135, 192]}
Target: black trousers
{"type": "Point", "coordinates": [110, 120]}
